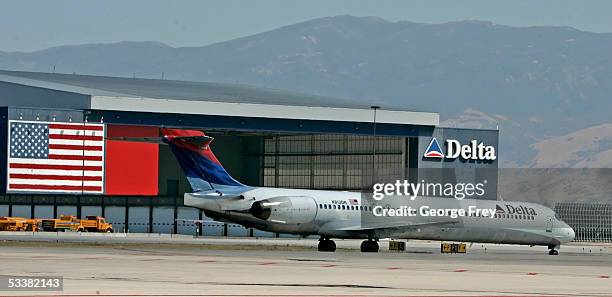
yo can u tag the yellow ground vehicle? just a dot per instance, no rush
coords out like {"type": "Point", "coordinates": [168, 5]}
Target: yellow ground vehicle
{"type": "Point", "coordinates": [96, 224]}
{"type": "Point", "coordinates": [18, 224]}
{"type": "Point", "coordinates": [71, 223]}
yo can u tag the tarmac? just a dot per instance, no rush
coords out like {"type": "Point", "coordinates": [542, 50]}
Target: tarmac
{"type": "Point", "coordinates": [187, 266]}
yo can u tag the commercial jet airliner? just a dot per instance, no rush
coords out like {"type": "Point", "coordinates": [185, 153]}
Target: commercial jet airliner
{"type": "Point", "coordinates": [339, 214]}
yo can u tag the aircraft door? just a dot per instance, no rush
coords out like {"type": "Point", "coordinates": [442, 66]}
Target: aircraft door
{"type": "Point", "coordinates": [549, 224]}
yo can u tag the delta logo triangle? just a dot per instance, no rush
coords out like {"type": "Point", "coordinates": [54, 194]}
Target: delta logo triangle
{"type": "Point", "coordinates": [434, 150]}
{"type": "Point", "coordinates": [498, 209]}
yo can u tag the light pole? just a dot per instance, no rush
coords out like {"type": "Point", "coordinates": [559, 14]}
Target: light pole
{"type": "Point", "coordinates": [374, 143]}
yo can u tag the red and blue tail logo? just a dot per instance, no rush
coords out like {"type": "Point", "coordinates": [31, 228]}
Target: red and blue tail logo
{"type": "Point", "coordinates": [201, 166]}
{"type": "Point", "coordinates": [434, 150]}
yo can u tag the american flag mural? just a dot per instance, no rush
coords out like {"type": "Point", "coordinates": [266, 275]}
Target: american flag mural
{"type": "Point", "coordinates": [55, 157]}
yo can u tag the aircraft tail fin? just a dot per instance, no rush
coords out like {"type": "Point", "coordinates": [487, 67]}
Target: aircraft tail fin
{"type": "Point", "coordinates": [201, 166]}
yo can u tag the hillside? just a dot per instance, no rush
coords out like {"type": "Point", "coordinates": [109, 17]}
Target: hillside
{"type": "Point", "coordinates": [534, 83]}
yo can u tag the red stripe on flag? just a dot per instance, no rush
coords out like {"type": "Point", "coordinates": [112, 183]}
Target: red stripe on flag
{"type": "Point", "coordinates": [54, 187]}
{"type": "Point", "coordinates": [75, 147]}
{"type": "Point", "coordinates": [75, 137]}
{"type": "Point", "coordinates": [76, 127]}
{"type": "Point", "coordinates": [75, 157]}
{"type": "Point", "coordinates": [55, 167]}
{"type": "Point", "coordinates": [54, 177]}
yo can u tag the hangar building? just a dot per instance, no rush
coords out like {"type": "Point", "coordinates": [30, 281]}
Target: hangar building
{"type": "Point", "coordinates": [79, 126]}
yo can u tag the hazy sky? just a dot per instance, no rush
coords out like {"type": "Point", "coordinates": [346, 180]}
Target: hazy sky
{"type": "Point", "coordinates": [34, 25]}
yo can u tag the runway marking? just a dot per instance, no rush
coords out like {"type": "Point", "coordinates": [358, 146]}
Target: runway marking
{"type": "Point", "coordinates": [285, 295]}
{"type": "Point", "coordinates": [43, 257]}
{"type": "Point", "coordinates": [97, 258]}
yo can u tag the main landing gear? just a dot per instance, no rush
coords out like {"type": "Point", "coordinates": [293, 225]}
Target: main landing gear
{"type": "Point", "coordinates": [369, 246]}
{"type": "Point", "coordinates": [553, 251]}
{"type": "Point", "coordinates": [326, 245]}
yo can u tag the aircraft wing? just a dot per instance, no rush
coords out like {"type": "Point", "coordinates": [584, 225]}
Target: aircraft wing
{"type": "Point", "coordinates": [395, 226]}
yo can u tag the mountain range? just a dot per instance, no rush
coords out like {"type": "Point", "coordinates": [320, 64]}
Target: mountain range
{"type": "Point", "coordinates": [547, 89]}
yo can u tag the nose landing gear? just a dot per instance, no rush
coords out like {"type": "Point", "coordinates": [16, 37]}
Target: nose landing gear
{"type": "Point", "coordinates": [326, 245]}
{"type": "Point", "coordinates": [553, 251]}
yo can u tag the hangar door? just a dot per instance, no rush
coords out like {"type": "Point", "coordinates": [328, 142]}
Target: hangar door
{"type": "Point", "coordinates": [335, 162]}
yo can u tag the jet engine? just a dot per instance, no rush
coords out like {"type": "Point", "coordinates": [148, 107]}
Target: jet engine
{"type": "Point", "coordinates": [286, 210]}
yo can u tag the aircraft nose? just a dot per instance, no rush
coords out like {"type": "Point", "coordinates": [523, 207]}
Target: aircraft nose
{"type": "Point", "coordinates": [571, 233]}
{"type": "Point", "coordinates": [568, 233]}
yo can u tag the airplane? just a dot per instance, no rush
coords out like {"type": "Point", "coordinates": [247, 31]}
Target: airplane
{"type": "Point", "coordinates": [340, 214]}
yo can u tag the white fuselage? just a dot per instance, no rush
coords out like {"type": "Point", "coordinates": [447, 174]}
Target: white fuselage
{"type": "Point", "coordinates": [336, 214]}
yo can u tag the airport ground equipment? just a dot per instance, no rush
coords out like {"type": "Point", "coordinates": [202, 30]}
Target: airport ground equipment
{"type": "Point", "coordinates": [96, 224]}
{"type": "Point", "coordinates": [453, 248]}
{"type": "Point", "coordinates": [71, 223]}
{"type": "Point", "coordinates": [18, 224]}
{"type": "Point", "coordinates": [395, 245]}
